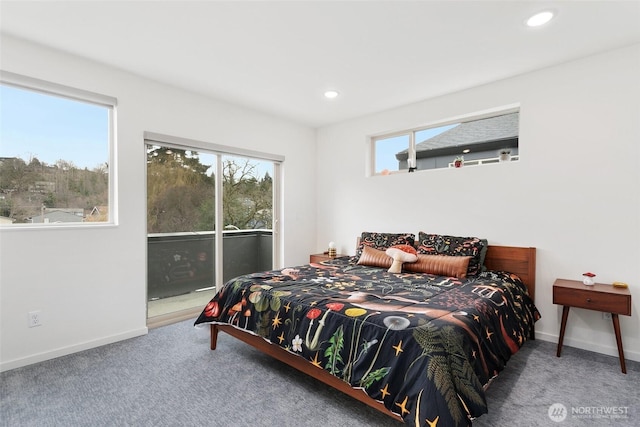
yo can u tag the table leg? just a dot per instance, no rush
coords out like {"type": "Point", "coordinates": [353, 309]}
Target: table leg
{"type": "Point", "coordinates": [616, 328]}
{"type": "Point", "coordinates": [563, 326]}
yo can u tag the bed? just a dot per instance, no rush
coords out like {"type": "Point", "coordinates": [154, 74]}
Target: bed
{"type": "Point", "coordinates": [421, 347]}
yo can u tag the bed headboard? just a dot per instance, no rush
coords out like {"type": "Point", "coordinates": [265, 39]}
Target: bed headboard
{"type": "Point", "coordinates": [517, 260]}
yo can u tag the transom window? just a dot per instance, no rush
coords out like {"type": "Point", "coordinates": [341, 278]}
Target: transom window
{"type": "Point", "coordinates": [475, 141]}
{"type": "Point", "coordinates": [55, 154]}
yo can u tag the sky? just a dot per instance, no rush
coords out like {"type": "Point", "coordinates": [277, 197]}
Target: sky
{"type": "Point", "coordinates": [51, 128]}
{"type": "Point", "coordinates": [386, 149]}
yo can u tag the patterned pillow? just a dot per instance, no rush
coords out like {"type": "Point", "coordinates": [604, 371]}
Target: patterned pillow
{"type": "Point", "coordinates": [382, 241]}
{"type": "Point", "coordinates": [437, 244]}
{"type": "Point", "coordinates": [440, 265]}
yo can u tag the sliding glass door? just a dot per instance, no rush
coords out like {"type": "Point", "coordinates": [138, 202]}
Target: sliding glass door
{"type": "Point", "coordinates": [201, 230]}
{"type": "Point", "coordinates": [247, 205]}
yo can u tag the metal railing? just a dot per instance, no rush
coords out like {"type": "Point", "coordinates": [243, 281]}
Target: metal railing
{"type": "Point", "coordinates": [180, 263]}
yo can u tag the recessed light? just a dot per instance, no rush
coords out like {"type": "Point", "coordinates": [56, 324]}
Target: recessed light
{"type": "Point", "coordinates": [540, 18]}
{"type": "Point", "coordinates": [331, 94]}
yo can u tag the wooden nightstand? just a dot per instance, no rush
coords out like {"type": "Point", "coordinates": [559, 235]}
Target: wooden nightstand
{"type": "Point", "coordinates": [322, 257]}
{"type": "Point", "coordinates": [600, 297]}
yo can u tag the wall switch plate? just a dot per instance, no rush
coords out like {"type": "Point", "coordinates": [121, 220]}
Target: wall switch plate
{"type": "Point", "coordinates": [606, 316]}
{"type": "Point", "coordinates": [34, 318]}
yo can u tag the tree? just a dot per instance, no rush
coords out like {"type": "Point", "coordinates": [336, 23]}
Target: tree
{"type": "Point", "coordinates": [13, 175]}
{"type": "Point", "coordinates": [177, 184]}
{"type": "Point", "coordinates": [27, 187]}
{"type": "Point", "coordinates": [248, 203]}
{"type": "Point", "coordinates": [181, 196]}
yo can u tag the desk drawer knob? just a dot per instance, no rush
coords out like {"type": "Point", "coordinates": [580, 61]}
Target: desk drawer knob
{"type": "Point", "coordinates": [588, 299]}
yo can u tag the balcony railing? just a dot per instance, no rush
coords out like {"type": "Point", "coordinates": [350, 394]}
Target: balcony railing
{"type": "Point", "coordinates": [180, 263]}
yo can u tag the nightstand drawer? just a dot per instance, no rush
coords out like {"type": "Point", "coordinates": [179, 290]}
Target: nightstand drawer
{"type": "Point", "coordinates": [600, 301]}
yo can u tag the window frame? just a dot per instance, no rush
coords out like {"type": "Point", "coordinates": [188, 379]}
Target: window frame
{"type": "Point", "coordinates": [411, 133]}
{"type": "Point", "coordinates": [79, 95]}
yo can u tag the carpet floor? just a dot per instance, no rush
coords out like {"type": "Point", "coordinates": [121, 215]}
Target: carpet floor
{"type": "Point", "coordinates": [171, 378]}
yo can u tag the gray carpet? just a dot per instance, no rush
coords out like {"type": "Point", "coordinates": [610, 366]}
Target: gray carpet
{"type": "Point", "coordinates": [171, 378]}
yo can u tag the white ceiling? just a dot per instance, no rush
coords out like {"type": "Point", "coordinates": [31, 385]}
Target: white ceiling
{"type": "Point", "coordinates": [281, 56]}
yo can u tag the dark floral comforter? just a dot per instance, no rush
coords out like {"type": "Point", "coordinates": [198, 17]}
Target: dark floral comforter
{"type": "Point", "coordinates": [426, 346]}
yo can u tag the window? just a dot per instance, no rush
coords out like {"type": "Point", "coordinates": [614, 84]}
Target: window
{"type": "Point", "coordinates": [55, 154]}
{"type": "Point", "coordinates": [490, 138]}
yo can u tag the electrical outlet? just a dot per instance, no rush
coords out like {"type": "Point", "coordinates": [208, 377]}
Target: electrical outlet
{"type": "Point", "coordinates": [34, 318]}
{"type": "Point", "coordinates": [606, 316]}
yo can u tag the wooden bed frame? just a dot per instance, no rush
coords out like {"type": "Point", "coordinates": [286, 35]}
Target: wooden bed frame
{"type": "Point", "coordinates": [517, 260]}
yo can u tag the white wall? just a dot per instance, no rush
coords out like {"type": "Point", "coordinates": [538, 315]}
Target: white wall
{"type": "Point", "coordinates": [90, 284]}
{"type": "Point", "coordinates": [574, 195]}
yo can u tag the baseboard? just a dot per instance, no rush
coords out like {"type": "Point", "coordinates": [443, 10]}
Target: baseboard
{"type": "Point", "coordinates": [589, 346]}
{"type": "Point", "coordinates": [64, 351]}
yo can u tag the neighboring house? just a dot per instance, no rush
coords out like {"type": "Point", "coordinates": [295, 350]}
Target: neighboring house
{"type": "Point", "coordinates": [5, 220]}
{"type": "Point", "coordinates": [55, 216]}
{"type": "Point", "coordinates": [476, 140]}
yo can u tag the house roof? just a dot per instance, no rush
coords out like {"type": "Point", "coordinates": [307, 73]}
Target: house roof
{"type": "Point", "coordinates": [497, 128]}
{"type": "Point", "coordinates": [57, 217]}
